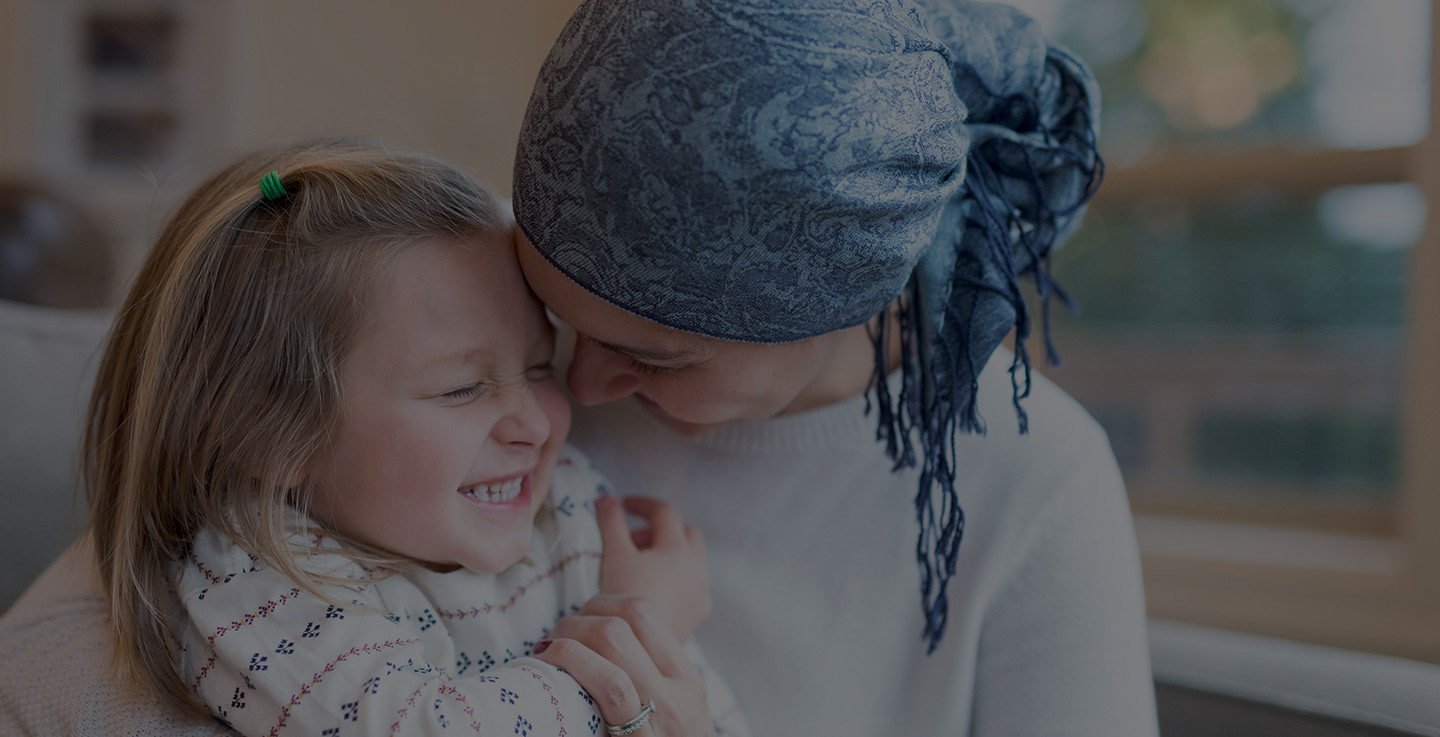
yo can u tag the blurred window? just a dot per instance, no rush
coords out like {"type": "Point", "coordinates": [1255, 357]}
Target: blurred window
{"type": "Point", "coordinates": [1247, 348]}
{"type": "Point", "coordinates": [1243, 276]}
{"type": "Point", "coordinates": [1249, 334]}
{"type": "Point", "coordinates": [1223, 75]}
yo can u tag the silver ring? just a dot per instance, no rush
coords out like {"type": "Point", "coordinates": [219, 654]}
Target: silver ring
{"type": "Point", "coordinates": [634, 724]}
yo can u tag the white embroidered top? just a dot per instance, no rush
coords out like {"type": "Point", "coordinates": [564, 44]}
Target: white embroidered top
{"type": "Point", "coordinates": [417, 653]}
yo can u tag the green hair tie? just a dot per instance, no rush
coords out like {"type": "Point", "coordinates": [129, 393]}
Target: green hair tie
{"type": "Point", "coordinates": [272, 187]}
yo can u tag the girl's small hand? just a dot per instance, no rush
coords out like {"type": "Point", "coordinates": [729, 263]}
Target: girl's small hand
{"type": "Point", "coordinates": [624, 655]}
{"type": "Point", "coordinates": [663, 562]}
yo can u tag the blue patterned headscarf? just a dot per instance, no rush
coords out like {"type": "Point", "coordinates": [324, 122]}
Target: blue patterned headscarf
{"type": "Point", "coordinates": [772, 170]}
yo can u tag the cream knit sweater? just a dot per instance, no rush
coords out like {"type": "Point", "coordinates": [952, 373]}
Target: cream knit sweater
{"type": "Point", "coordinates": [811, 543]}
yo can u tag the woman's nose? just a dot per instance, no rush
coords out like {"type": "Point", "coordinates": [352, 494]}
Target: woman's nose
{"type": "Point", "coordinates": [597, 375]}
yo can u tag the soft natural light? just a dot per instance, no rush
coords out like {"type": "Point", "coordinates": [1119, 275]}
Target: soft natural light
{"type": "Point", "coordinates": [1382, 216]}
{"type": "Point", "coordinates": [1376, 98]}
{"type": "Point", "coordinates": [1300, 73]}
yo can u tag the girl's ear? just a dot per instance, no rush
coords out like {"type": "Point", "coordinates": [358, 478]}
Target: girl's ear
{"type": "Point", "coordinates": [296, 495]}
{"type": "Point", "coordinates": [289, 477]}
{"type": "Point", "coordinates": [293, 478]}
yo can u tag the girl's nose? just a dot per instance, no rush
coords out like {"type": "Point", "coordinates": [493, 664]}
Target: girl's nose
{"type": "Point", "coordinates": [597, 375]}
{"type": "Point", "coordinates": [526, 423]}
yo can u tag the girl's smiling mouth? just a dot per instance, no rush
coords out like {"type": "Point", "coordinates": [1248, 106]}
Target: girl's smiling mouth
{"type": "Point", "coordinates": [514, 491]}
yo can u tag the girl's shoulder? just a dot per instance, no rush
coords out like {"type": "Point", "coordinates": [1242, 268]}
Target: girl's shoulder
{"type": "Point", "coordinates": [565, 528]}
{"type": "Point", "coordinates": [215, 563]}
{"type": "Point", "coordinates": [577, 482]}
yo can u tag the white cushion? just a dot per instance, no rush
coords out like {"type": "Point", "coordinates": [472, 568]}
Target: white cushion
{"type": "Point", "coordinates": [47, 364]}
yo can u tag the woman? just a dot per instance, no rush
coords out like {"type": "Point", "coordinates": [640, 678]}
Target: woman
{"type": "Point", "coordinates": [789, 228]}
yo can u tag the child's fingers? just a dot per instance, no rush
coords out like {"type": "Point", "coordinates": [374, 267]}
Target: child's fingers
{"type": "Point", "coordinates": [643, 537]}
{"type": "Point", "coordinates": [664, 518]}
{"type": "Point", "coordinates": [696, 536]}
{"type": "Point", "coordinates": [614, 532]}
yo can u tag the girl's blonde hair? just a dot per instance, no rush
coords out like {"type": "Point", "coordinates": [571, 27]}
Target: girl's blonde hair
{"type": "Point", "coordinates": [220, 380]}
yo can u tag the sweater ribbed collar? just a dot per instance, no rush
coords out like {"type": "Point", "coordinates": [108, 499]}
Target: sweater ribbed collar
{"type": "Point", "coordinates": [841, 426]}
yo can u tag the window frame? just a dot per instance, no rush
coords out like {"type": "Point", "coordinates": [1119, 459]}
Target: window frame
{"type": "Point", "coordinates": [1363, 580]}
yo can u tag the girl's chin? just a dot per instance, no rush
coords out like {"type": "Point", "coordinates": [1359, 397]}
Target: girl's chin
{"type": "Point", "coordinates": [487, 564]}
{"type": "Point", "coordinates": [498, 564]}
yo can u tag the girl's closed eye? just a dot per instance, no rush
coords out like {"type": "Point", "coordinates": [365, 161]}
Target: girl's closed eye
{"type": "Point", "coordinates": [538, 372]}
{"type": "Point", "coordinates": [465, 392]}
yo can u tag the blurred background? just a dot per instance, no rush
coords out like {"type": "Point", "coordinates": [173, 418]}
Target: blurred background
{"type": "Point", "coordinates": [1259, 331]}
{"type": "Point", "coordinates": [121, 105]}
{"type": "Point", "coordinates": [1256, 329]}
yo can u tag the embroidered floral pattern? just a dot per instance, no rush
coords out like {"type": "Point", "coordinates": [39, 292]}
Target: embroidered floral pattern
{"type": "Point", "coordinates": [555, 569]}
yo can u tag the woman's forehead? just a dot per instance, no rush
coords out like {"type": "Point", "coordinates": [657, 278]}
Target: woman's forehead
{"type": "Point", "coordinates": [597, 319]}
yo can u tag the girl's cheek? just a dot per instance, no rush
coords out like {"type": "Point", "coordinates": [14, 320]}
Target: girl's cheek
{"type": "Point", "coordinates": [557, 409]}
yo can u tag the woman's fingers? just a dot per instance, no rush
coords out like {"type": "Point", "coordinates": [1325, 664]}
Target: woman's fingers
{"type": "Point", "coordinates": [607, 683]}
{"type": "Point", "coordinates": [627, 635]}
{"type": "Point", "coordinates": [648, 627]}
{"type": "Point", "coordinates": [664, 518]}
{"type": "Point", "coordinates": [616, 640]}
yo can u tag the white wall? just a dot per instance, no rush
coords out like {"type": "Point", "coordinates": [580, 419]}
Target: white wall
{"type": "Point", "coordinates": [450, 77]}
{"type": "Point", "coordinates": [14, 83]}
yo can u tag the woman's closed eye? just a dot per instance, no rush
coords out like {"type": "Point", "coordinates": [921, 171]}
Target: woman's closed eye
{"type": "Point", "coordinates": [649, 369]}
{"type": "Point", "coordinates": [540, 372]}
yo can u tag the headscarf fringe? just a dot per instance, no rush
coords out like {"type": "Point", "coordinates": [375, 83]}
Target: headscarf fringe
{"type": "Point", "coordinates": [1015, 210]}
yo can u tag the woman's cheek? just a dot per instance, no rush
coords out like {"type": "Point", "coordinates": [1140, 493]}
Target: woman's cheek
{"type": "Point", "coordinates": [698, 401]}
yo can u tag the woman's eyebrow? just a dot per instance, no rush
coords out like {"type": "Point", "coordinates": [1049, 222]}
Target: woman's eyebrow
{"type": "Point", "coordinates": [645, 354]}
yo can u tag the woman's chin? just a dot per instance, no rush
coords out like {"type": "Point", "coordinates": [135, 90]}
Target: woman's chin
{"type": "Point", "coordinates": [677, 426]}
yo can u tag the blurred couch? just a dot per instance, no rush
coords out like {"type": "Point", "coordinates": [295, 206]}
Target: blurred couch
{"type": "Point", "coordinates": [47, 363]}
{"type": "Point", "coordinates": [53, 251]}
{"type": "Point", "coordinates": [1209, 683]}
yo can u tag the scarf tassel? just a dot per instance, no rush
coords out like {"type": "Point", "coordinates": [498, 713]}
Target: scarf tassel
{"type": "Point", "coordinates": [999, 169]}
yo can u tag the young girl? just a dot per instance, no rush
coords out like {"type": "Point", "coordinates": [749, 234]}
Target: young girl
{"type": "Point", "coordinates": [328, 486]}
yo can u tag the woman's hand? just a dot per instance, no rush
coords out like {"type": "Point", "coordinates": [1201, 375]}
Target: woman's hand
{"type": "Point", "coordinates": [624, 655]}
{"type": "Point", "coordinates": [663, 562]}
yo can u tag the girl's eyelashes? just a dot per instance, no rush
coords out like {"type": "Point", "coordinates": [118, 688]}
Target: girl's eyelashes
{"type": "Point", "coordinates": [464, 392]}
{"type": "Point", "coordinates": [538, 372]}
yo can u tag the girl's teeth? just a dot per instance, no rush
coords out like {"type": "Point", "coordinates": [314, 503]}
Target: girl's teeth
{"type": "Point", "coordinates": [497, 493]}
